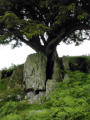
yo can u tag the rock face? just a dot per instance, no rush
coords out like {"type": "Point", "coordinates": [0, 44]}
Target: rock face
{"type": "Point", "coordinates": [35, 72]}
{"type": "Point", "coordinates": [35, 77]}
{"type": "Point", "coordinates": [36, 83]}
{"type": "Point", "coordinates": [50, 86]}
{"type": "Point", "coordinates": [65, 61]}
{"type": "Point", "coordinates": [73, 63]}
{"type": "Point", "coordinates": [16, 79]}
{"type": "Point", "coordinates": [57, 72]}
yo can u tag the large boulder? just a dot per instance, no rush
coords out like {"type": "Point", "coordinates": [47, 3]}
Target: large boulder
{"type": "Point", "coordinates": [32, 97]}
{"type": "Point", "coordinates": [66, 61]}
{"type": "Point", "coordinates": [16, 79]}
{"type": "Point", "coordinates": [35, 77]}
{"type": "Point", "coordinates": [36, 83]}
{"type": "Point", "coordinates": [35, 72]}
{"type": "Point", "coordinates": [57, 72]}
{"type": "Point", "coordinates": [50, 86]}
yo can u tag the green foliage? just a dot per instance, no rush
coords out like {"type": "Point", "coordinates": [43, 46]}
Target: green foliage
{"type": "Point", "coordinates": [7, 92]}
{"type": "Point", "coordinates": [70, 101]}
{"type": "Point", "coordinates": [72, 7]}
{"type": "Point", "coordinates": [11, 20]}
{"type": "Point", "coordinates": [16, 79]}
{"type": "Point", "coordinates": [27, 21]}
{"type": "Point", "coordinates": [5, 4]}
{"type": "Point", "coordinates": [3, 84]}
{"type": "Point", "coordinates": [11, 109]}
{"type": "Point", "coordinates": [32, 29]}
{"type": "Point", "coordinates": [81, 63]}
{"type": "Point", "coordinates": [82, 16]}
{"type": "Point", "coordinates": [12, 117]}
{"type": "Point", "coordinates": [22, 110]}
{"type": "Point", "coordinates": [62, 16]}
{"type": "Point", "coordinates": [7, 72]}
{"type": "Point", "coordinates": [64, 11]}
{"type": "Point", "coordinates": [8, 108]}
{"type": "Point", "coordinates": [72, 96]}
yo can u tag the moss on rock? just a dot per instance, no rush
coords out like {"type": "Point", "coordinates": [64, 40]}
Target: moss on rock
{"type": "Point", "coordinates": [16, 79]}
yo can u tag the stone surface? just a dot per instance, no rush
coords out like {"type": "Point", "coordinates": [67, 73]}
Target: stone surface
{"type": "Point", "coordinates": [50, 86]}
{"type": "Point", "coordinates": [16, 79]}
{"type": "Point", "coordinates": [35, 71]}
{"type": "Point", "coordinates": [35, 77]}
{"type": "Point", "coordinates": [66, 77]}
{"type": "Point", "coordinates": [35, 98]}
{"type": "Point", "coordinates": [57, 73]}
{"type": "Point", "coordinates": [65, 61]}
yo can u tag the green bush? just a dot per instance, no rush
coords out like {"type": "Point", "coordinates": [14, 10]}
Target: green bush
{"type": "Point", "coordinates": [12, 117]}
{"type": "Point", "coordinates": [72, 97]}
{"type": "Point", "coordinates": [8, 93]}
{"type": "Point", "coordinates": [12, 108]}
{"type": "Point", "coordinates": [8, 108]}
{"type": "Point", "coordinates": [3, 84]}
{"type": "Point", "coordinates": [70, 101]}
{"type": "Point", "coordinates": [7, 72]}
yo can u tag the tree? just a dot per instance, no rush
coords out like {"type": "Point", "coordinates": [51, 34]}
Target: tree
{"type": "Point", "coordinates": [29, 20]}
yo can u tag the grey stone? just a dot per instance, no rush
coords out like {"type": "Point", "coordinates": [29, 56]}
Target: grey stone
{"type": "Point", "coordinates": [50, 86]}
{"type": "Point", "coordinates": [16, 79]}
{"type": "Point", "coordinates": [35, 77]}
{"type": "Point", "coordinates": [57, 73]}
{"type": "Point", "coordinates": [30, 95]}
{"type": "Point", "coordinates": [66, 61]}
{"type": "Point", "coordinates": [33, 98]}
{"type": "Point", "coordinates": [66, 77]}
{"type": "Point", "coordinates": [19, 97]}
{"type": "Point", "coordinates": [35, 71]}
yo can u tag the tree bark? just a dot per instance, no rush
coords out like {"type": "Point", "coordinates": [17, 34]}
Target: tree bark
{"type": "Point", "coordinates": [53, 66]}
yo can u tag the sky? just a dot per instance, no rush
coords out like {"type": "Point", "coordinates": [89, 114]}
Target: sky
{"type": "Point", "coordinates": [9, 56]}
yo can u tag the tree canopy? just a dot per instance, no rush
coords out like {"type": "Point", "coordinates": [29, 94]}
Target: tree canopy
{"type": "Point", "coordinates": [29, 20]}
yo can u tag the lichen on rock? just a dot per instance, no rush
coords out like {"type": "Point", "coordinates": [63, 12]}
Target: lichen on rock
{"type": "Point", "coordinates": [35, 71]}
{"type": "Point", "coordinates": [36, 82]}
{"type": "Point", "coordinates": [16, 79]}
{"type": "Point", "coordinates": [50, 86]}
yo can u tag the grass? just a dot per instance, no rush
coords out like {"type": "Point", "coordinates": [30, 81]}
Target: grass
{"type": "Point", "coordinates": [70, 101]}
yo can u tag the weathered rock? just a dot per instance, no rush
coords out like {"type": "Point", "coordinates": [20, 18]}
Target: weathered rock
{"type": "Point", "coordinates": [6, 73]}
{"type": "Point", "coordinates": [66, 61]}
{"type": "Point", "coordinates": [35, 71]}
{"type": "Point", "coordinates": [35, 77]}
{"type": "Point", "coordinates": [50, 86]}
{"type": "Point", "coordinates": [66, 77]}
{"type": "Point", "coordinates": [16, 79]}
{"type": "Point", "coordinates": [57, 72]}
{"type": "Point", "coordinates": [36, 82]}
{"type": "Point", "coordinates": [35, 98]}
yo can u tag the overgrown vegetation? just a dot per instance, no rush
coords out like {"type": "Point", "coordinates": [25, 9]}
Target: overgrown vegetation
{"type": "Point", "coordinates": [70, 101]}
{"type": "Point", "coordinates": [81, 63]}
{"type": "Point", "coordinates": [8, 93]}
{"type": "Point", "coordinates": [7, 72]}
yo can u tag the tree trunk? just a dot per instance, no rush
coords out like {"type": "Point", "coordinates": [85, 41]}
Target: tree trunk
{"type": "Point", "coordinates": [54, 67]}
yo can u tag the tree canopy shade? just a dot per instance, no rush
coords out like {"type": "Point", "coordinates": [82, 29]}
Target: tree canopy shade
{"type": "Point", "coordinates": [28, 20]}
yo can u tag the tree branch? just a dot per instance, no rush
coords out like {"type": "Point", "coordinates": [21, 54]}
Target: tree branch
{"type": "Point", "coordinates": [33, 45]}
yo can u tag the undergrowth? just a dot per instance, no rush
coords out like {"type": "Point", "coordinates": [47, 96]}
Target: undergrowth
{"type": "Point", "coordinates": [70, 101]}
